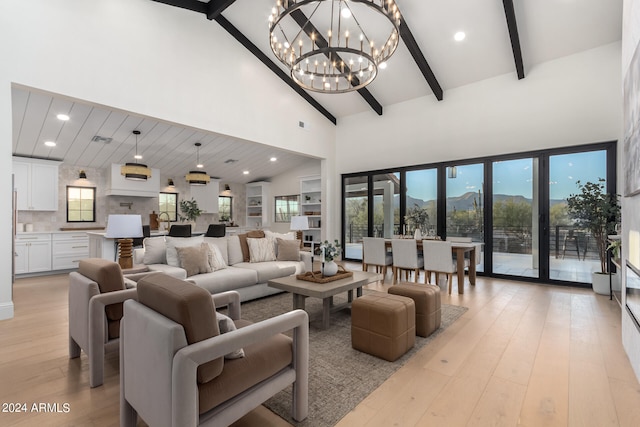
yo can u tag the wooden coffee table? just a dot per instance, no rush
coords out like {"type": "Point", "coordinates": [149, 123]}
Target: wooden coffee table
{"type": "Point", "coordinates": [301, 290]}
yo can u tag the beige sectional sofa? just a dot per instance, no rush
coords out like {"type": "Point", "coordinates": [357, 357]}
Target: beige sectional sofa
{"type": "Point", "coordinates": [231, 266]}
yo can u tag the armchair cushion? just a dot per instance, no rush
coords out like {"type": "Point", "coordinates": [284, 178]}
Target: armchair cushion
{"type": "Point", "coordinates": [194, 259]}
{"type": "Point", "coordinates": [188, 305]}
{"type": "Point", "coordinates": [108, 275]}
{"type": "Point", "coordinates": [262, 360]}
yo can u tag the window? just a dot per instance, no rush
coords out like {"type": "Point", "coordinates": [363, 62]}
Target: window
{"type": "Point", "coordinates": [225, 208]}
{"type": "Point", "coordinates": [286, 207]}
{"type": "Point", "coordinates": [168, 205]}
{"type": "Point", "coordinates": [81, 204]}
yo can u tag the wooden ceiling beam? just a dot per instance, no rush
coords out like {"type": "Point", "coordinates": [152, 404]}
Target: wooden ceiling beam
{"type": "Point", "coordinates": [216, 7]}
{"type": "Point", "coordinates": [244, 41]}
{"type": "Point", "coordinates": [203, 8]}
{"type": "Point", "coordinates": [418, 57]}
{"type": "Point", "coordinates": [510, 14]}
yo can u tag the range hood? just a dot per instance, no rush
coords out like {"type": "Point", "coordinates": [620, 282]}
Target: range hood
{"type": "Point", "coordinates": [117, 185]}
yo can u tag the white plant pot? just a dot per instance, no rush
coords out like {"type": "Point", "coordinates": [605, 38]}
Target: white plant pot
{"type": "Point", "coordinates": [330, 268]}
{"type": "Point", "coordinates": [600, 283]}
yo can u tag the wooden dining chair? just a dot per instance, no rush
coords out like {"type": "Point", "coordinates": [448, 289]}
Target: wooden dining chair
{"type": "Point", "coordinates": [375, 254]}
{"type": "Point", "coordinates": [405, 258]}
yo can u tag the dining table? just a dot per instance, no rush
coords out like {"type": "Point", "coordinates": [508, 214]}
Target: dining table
{"type": "Point", "coordinates": [459, 249]}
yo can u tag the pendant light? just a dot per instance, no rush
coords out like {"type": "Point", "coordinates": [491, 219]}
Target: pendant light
{"type": "Point", "coordinates": [135, 171]}
{"type": "Point", "coordinates": [198, 177]}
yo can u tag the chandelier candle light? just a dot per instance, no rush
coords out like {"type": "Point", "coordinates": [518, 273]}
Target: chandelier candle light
{"type": "Point", "coordinates": [334, 46]}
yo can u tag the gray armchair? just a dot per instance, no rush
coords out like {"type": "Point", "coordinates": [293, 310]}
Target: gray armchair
{"type": "Point", "coordinates": [96, 293]}
{"type": "Point", "coordinates": [174, 366]}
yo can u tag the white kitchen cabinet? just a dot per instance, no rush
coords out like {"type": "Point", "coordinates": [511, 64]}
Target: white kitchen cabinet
{"type": "Point", "coordinates": [118, 185]}
{"type": "Point", "coordinates": [68, 249]}
{"type": "Point", "coordinates": [36, 184]}
{"type": "Point", "coordinates": [258, 203]}
{"type": "Point", "coordinates": [33, 253]}
{"type": "Point", "coordinates": [206, 196]}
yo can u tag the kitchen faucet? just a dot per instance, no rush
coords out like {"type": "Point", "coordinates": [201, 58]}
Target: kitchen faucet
{"type": "Point", "coordinates": [168, 219]}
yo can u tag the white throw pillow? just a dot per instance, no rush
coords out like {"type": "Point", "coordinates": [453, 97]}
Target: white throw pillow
{"type": "Point", "coordinates": [221, 243]}
{"type": "Point", "coordinates": [216, 260]}
{"type": "Point", "coordinates": [225, 324]}
{"type": "Point", "coordinates": [235, 250]}
{"type": "Point", "coordinates": [155, 250]}
{"type": "Point", "coordinates": [261, 250]}
{"type": "Point", "coordinates": [172, 242]}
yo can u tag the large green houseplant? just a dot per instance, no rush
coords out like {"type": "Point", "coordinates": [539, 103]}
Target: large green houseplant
{"type": "Point", "coordinates": [598, 212]}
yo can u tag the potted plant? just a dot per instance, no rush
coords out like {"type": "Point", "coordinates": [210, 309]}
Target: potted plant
{"type": "Point", "coordinates": [597, 212]}
{"type": "Point", "coordinates": [329, 251]}
{"type": "Point", "coordinates": [190, 210]}
{"type": "Point", "coordinates": [418, 218]}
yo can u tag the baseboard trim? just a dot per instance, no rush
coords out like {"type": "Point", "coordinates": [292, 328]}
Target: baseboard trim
{"type": "Point", "coordinates": [6, 310]}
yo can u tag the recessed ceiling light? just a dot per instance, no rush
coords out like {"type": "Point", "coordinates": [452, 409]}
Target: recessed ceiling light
{"type": "Point", "coordinates": [137, 156]}
{"type": "Point", "coordinates": [346, 12]}
{"type": "Point", "coordinates": [200, 165]}
{"type": "Point", "coordinates": [62, 117]}
{"type": "Point", "coordinates": [273, 159]}
{"type": "Point", "coordinates": [245, 172]}
{"type": "Point", "coordinates": [50, 143]}
{"type": "Point", "coordinates": [382, 65]}
{"type": "Point", "coordinates": [459, 36]}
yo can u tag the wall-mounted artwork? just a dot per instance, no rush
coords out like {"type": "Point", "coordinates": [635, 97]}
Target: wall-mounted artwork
{"type": "Point", "coordinates": [632, 126]}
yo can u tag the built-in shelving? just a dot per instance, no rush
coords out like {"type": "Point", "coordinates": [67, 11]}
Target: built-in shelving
{"type": "Point", "coordinates": [257, 205]}
{"type": "Point", "coordinates": [311, 207]}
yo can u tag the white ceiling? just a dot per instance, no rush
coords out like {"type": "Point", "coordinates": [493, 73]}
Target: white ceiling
{"type": "Point", "coordinates": [548, 29]}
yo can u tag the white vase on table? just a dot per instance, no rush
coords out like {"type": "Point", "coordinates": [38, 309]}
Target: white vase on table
{"type": "Point", "coordinates": [330, 268]}
{"type": "Point", "coordinates": [417, 234]}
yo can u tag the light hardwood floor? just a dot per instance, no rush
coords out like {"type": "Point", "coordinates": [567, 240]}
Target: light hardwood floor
{"type": "Point", "coordinates": [522, 354]}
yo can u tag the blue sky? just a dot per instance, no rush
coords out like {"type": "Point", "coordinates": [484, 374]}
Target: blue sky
{"type": "Point", "coordinates": [514, 177]}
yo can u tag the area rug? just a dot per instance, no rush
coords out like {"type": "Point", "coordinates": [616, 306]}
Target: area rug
{"type": "Point", "coordinates": [339, 376]}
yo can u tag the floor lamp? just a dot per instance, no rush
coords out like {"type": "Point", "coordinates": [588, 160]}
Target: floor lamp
{"type": "Point", "coordinates": [299, 223]}
{"type": "Point", "coordinates": [123, 228]}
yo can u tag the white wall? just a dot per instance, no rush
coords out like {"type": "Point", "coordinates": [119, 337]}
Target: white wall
{"type": "Point", "coordinates": [288, 183]}
{"type": "Point", "coordinates": [147, 58]}
{"type": "Point", "coordinates": [630, 205]}
{"type": "Point", "coordinates": [569, 101]}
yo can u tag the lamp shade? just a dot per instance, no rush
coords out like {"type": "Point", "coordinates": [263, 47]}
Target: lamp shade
{"type": "Point", "coordinates": [299, 223]}
{"type": "Point", "coordinates": [124, 226]}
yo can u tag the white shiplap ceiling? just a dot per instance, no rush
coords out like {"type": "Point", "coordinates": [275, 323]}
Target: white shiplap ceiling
{"type": "Point", "coordinates": [548, 29]}
{"type": "Point", "coordinates": [165, 146]}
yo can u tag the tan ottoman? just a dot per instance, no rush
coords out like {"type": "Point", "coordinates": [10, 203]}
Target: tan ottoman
{"type": "Point", "coordinates": [383, 325]}
{"type": "Point", "coordinates": [427, 300]}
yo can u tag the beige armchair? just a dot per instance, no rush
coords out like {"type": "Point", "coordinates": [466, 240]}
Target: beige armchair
{"type": "Point", "coordinates": [174, 363]}
{"type": "Point", "coordinates": [96, 293]}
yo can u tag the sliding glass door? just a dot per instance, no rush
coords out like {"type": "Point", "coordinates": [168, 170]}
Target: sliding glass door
{"type": "Point", "coordinates": [356, 215]}
{"type": "Point", "coordinates": [573, 254]}
{"type": "Point", "coordinates": [516, 205]}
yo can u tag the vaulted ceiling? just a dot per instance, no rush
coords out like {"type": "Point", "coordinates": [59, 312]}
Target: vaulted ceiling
{"type": "Point", "coordinates": [502, 37]}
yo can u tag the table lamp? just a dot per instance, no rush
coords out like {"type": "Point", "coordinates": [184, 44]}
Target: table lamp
{"type": "Point", "coordinates": [299, 223]}
{"type": "Point", "coordinates": [124, 228]}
